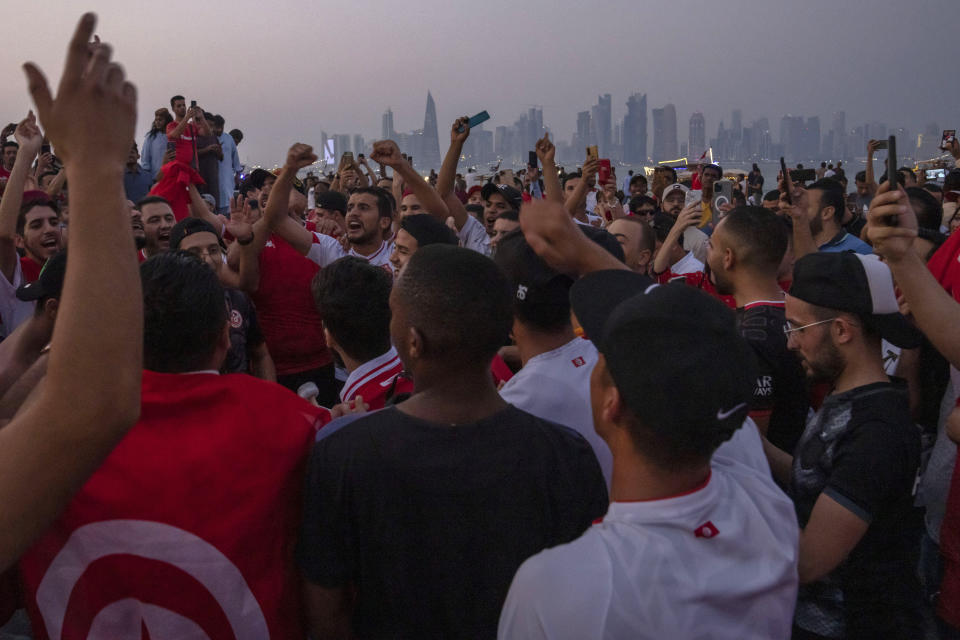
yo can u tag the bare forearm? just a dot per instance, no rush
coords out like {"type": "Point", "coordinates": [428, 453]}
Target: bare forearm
{"type": "Point", "coordinates": [803, 242]}
{"type": "Point", "coordinates": [262, 364]}
{"type": "Point", "coordinates": [551, 183]}
{"type": "Point", "coordinates": [448, 170]}
{"type": "Point", "coordinates": [56, 185]}
{"type": "Point", "coordinates": [428, 196]}
{"type": "Point", "coordinates": [199, 209]}
{"type": "Point", "coordinates": [781, 462]}
{"type": "Point", "coordinates": [13, 195]}
{"type": "Point", "coordinates": [934, 311]}
{"type": "Point", "coordinates": [578, 198]}
{"type": "Point", "coordinates": [178, 130]}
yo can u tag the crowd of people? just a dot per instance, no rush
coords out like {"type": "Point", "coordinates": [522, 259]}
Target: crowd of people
{"type": "Point", "coordinates": [549, 405]}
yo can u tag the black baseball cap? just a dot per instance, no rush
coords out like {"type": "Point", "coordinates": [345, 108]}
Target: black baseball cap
{"type": "Point", "coordinates": [534, 282]}
{"type": "Point", "coordinates": [673, 351]}
{"type": "Point", "coordinates": [332, 200]}
{"type": "Point", "coordinates": [513, 197]}
{"type": "Point", "coordinates": [427, 230]}
{"type": "Point", "coordinates": [854, 283]}
{"type": "Point", "coordinates": [188, 227]}
{"type": "Point", "coordinates": [50, 282]}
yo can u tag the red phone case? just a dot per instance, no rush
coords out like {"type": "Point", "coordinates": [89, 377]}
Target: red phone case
{"type": "Point", "coordinates": [603, 173]}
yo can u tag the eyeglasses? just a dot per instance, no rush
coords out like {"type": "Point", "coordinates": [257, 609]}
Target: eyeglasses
{"type": "Point", "coordinates": [790, 330]}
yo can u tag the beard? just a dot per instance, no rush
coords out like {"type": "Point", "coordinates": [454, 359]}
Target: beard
{"type": "Point", "coordinates": [723, 286]}
{"type": "Point", "coordinates": [816, 225]}
{"type": "Point", "coordinates": [828, 364]}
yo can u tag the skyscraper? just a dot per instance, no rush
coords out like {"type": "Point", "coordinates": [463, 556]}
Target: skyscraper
{"type": "Point", "coordinates": [635, 130]}
{"type": "Point", "coordinates": [430, 143]}
{"type": "Point", "coordinates": [387, 132]}
{"type": "Point", "coordinates": [602, 121]}
{"type": "Point", "coordinates": [582, 138]}
{"type": "Point", "coordinates": [665, 145]}
{"type": "Point", "coordinates": [698, 136]}
{"type": "Point", "coordinates": [839, 130]}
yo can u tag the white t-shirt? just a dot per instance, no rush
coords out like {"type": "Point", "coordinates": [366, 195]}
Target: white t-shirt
{"type": "Point", "coordinates": [719, 562]}
{"type": "Point", "coordinates": [556, 386]}
{"type": "Point", "coordinates": [327, 249]}
{"type": "Point", "coordinates": [474, 236]}
{"type": "Point", "coordinates": [13, 310]}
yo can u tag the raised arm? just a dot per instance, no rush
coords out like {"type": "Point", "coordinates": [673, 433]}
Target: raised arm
{"type": "Point", "coordinates": [56, 185]}
{"type": "Point", "coordinates": [448, 172]}
{"type": "Point", "coordinates": [91, 394]}
{"type": "Point", "coordinates": [579, 196]}
{"type": "Point", "coordinates": [798, 209]}
{"type": "Point", "coordinates": [388, 153]}
{"type": "Point", "coordinates": [546, 153]}
{"type": "Point", "coordinates": [29, 138]}
{"type": "Point", "coordinates": [934, 310]}
{"type": "Point", "coordinates": [555, 237]}
{"type": "Point", "coordinates": [689, 217]}
{"type": "Point", "coordinates": [300, 155]}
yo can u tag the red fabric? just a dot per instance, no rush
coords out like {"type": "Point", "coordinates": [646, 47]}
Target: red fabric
{"type": "Point", "coordinates": [375, 386]}
{"type": "Point", "coordinates": [695, 184]}
{"type": "Point", "coordinates": [945, 267]}
{"type": "Point", "coordinates": [186, 143]}
{"type": "Point", "coordinates": [501, 372]}
{"type": "Point", "coordinates": [30, 268]}
{"type": "Point", "coordinates": [194, 513]}
{"type": "Point", "coordinates": [948, 603]}
{"type": "Point", "coordinates": [698, 280]}
{"type": "Point", "coordinates": [173, 187]}
{"type": "Point", "coordinates": [288, 317]}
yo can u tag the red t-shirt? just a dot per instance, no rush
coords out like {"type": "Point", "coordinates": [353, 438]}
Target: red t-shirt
{"type": "Point", "coordinates": [30, 268]}
{"type": "Point", "coordinates": [186, 143]}
{"type": "Point", "coordinates": [288, 317]}
{"type": "Point", "coordinates": [699, 280]}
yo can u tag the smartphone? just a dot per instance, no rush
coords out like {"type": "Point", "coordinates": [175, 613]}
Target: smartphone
{"type": "Point", "coordinates": [532, 159]}
{"type": "Point", "coordinates": [603, 173]}
{"type": "Point", "coordinates": [193, 103]}
{"type": "Point", "coordinates": [936, 174]}
{"type": "Point", "coordinates": [347, 159]}
{"type": "Point", "coordinates": [693, 196]}
{"type": "Point", "coordinates": [722, 194]}
{"type": "Point", "coordinates": [892, 175]}
{"type": "Point", "coordinates": [480, 118]}
{"type": "Point", "coordinates": [787, 182]}
{"type": "Point", "coordinates": [949, 135]}
{"type": "Point", "coordinates": [593, 153]}
{"type": "Point", "coordinates": [44, 148]}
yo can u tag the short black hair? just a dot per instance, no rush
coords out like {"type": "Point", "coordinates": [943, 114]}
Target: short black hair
{"type": "Point", "coordinates": [637, 179]}
{"type": "Point", "coordinates": [184, 312]}
{"type": "Point", "coordinates": [770, 196]}
{"type": "Point", "coordinates": [428, 230]}
{"type": "Point", "coordinates": [861, 176]}
{"type": "Point", "coordinates": [509, 214]}
{"type": "Point", "coordinates": [476, 210]}
{"type": "Point", "coordinates": [459, 301]}
{"type": "Point", "coordinates": [760, 235]}
{"type": "Point", "coordinates": [31, 204]}
{"type": "Point", "coordinates": [236, 133]}
{"type": "Point", "coordinates": [570, 176]}
{"type": "Point", "coordinates": [738, 199]}
{"type": "Point", "coordinates": [353, 297]}
{"type": "Point", "coordinates": [638, 201]}
{"type": "Point", "coordinates": [151, 200]}
{"type": "Point", "coordinates": [670, 170]}
{"type": "Point", "coordinates": [175, 98]}
{"type": "Point", "coordinates": [951, 181]}
{"type": "Point", "coordinates": [384, 199]}
{"type": "Point", "coordinates": [928, 209]}
{"type": "Point", "coordinates": [10, 143]}
{"type": "Point", "coordinates": [907, 170]}
{"type": "Point", "coordinates": [662, 223]}
{"type": "Point", "coordinates": [218, 120]}
{"type": "Point", "coordinates": [932, 187]}
{"type": "Point", "coordinates": [715, 167]}
{"type": "Point", "coordinates": [831, 196]}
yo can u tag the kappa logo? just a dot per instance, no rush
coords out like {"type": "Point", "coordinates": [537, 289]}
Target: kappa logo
{"type": "Point", "coordinates": [706, 530]}
{"type": "Point", "coordinates": [182, 551]}
{"type": "Point", "coordinates": [236, 320]}
{"type": "Point", "coordinates": [578, 361]}
{"type": "Point", "coordinates": [521, 292]}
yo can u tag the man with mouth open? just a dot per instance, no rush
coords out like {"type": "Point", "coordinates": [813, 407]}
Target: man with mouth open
{"type": "Point", "coordinates": [157, 220]}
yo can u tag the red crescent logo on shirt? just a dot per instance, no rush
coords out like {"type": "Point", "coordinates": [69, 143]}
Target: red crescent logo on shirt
{"type": "Point", "coordinates": [236, 320]}
{"type": "Point", "coordinates": [578, 362]}
{"type": "Point", "coordinates": [189, 566]}
{"type": "Point", "coordinates": [706, 530]}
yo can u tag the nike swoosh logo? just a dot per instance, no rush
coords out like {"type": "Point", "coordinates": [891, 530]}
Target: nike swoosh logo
{"type": "Point", "coordinates": [723, 415]}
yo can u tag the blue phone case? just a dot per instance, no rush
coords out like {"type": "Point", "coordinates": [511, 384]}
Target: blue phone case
{"type": "Point", "coordinates": [480, 118]}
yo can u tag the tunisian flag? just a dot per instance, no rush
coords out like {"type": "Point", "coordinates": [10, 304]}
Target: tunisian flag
{"type": "Point", "coordinates": [187, 529]}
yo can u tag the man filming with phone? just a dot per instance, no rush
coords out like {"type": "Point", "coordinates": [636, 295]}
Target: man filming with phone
{"type": "Point", "coordinates": [187, 126]}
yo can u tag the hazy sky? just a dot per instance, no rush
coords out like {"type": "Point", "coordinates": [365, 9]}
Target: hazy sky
{"type": "Point", "coordinates": [284, 70]}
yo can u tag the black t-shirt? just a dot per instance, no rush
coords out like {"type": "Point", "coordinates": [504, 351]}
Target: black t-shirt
{"type": "Point", "coordinates": [244, 332]}
{"type": "Point", "coordinates": [863, 450]}
{"type": "Point", "coordinates": [430, 522]}
{"type": "Point", "coordinates": [755, 182]}
{"type": "Point", "coordinates": [780, 389]}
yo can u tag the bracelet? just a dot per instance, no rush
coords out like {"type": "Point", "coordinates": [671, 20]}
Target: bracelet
{"type": "Point", "coordinates": [244, 242]}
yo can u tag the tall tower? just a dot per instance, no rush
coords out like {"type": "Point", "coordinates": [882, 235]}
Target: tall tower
{"type": "Point", "coordinates": [430, 150]}
{"type": "Point", "coordinates": [698, 136]}
{"type": "Point", "coordinates": [387, 132]}
{"type": "Point", "coordinates": [635, 130]}
{"type": "Point", "coordinates": [602, 120]}
{"type": "Point", "coordinates": [665, 145]}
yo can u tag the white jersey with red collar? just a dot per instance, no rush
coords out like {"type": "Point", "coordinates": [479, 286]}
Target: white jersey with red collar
{"type": "Point", "coordinates": [719, 561]}
{"type": "Point", "coordinates": [373, 379]}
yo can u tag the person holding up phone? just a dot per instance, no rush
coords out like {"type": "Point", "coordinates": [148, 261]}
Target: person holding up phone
{"type": "Point", "coordinates": [187, 126]}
